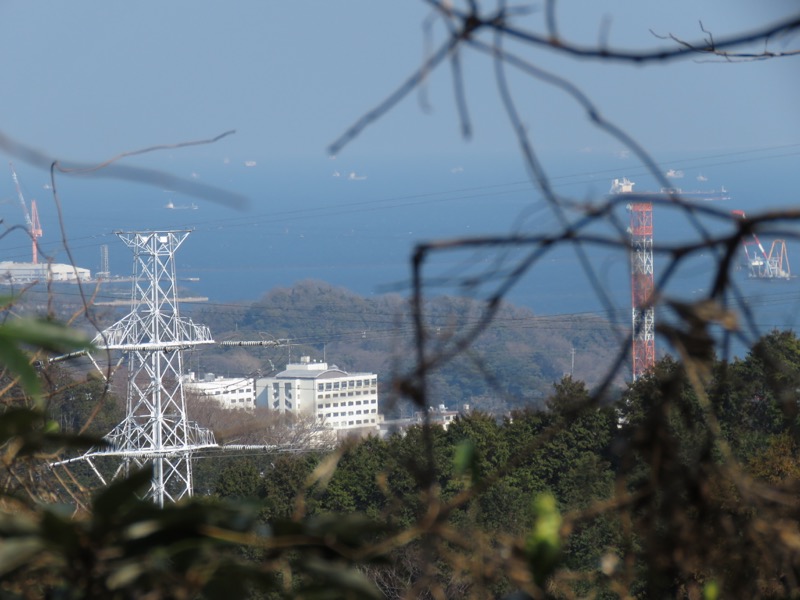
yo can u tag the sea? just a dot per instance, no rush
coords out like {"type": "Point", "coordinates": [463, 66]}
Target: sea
{"type": "Point", "coordinates": [485, 228]}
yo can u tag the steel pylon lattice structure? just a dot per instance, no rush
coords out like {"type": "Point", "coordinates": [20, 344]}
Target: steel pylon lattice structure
{"type": "Point", "coordinates": [153, 336]}
{"type": "Point", "coordinates": [643, 320]}
{"type": "Point", "coordinates": [643, 348]}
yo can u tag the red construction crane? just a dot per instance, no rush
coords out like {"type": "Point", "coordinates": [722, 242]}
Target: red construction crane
{"type": "Point", "coordinates": [31, 218]}
{"type": "Point", "coordinates": [761, 265]}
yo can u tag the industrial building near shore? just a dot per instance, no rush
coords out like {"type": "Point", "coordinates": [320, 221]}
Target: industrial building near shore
{"type": "Point", "coordinates": [16, 272]}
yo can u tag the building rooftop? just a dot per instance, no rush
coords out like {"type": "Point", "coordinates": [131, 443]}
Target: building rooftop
{"type": "Point", "coordinates": [306, 369]}
{"type": "Point", "coordinates": [290, 373]}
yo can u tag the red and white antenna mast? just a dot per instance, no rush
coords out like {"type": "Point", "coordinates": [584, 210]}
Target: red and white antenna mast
{"type": "Point", "coordinates": [31, 218]}
{"type": "Point", "coordinates": [643, 315]}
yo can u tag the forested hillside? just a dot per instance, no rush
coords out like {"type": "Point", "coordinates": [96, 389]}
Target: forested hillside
{"type": "Point", "coordinates": [512, 364]}
{"type": "Point", "coordinates": [685, 486]}
{"type": "Point", "coordinates": [671, 492]}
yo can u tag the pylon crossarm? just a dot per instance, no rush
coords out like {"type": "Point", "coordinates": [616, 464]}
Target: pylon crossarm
{"type": "Point", "coordinates": [170, 347]}
{"type": "Point", "coordinates": [298, 449]}
{"type": "Point", "coordinates": [134, 330]}
{"type": "Point", "coordinates": [246, 343]}
{"type": "Point", "coordinates": [144, 455]}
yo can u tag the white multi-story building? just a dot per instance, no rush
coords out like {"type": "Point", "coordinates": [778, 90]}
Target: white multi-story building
{"type": "Point", "coordinates": [337, 399]}
{"type": "Point", "coordinates": [230, 392]}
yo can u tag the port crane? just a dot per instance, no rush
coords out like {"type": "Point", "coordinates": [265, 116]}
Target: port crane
{"type": "Point", "coordinates": [761, 264]}
{"type": "Point", "coordinates": [31, 218]}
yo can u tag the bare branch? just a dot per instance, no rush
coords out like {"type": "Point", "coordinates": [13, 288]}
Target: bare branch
{"type": "Point", "coordinates": [109, 169]}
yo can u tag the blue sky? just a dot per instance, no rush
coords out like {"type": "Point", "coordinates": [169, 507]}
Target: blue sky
{"type": "Point", "coordinates": [86, 80]}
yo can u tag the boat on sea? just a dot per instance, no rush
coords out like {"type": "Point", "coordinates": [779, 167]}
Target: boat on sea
{"type": "Point", "coordinates": [702, 195]}
{"type": "Point", "coordinates": [625, 186]}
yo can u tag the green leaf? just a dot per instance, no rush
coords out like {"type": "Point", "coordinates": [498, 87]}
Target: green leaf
{"type": "Point", "coordinates": [465, 460]}
{"type": "Point", "coordinates": [44, 334]}
{"type": "Point", "coordinates": [109, 501]}
{"type": "Point", "coordinates": [543, 545]}
{"type": "Point", "coordinates": [17, 422]}
{"type": "Point", "coordinates": [40, 334]}
{"type": "Point", "coordinates": [711, 591]}
{"type": "Point", "coordinates": [125, 575]}
{"type": "Point", "coordinates": [36, 433]}
{"type": "Point", "coordinates": [60, 531]}
{"type": "Point", "coordinates": [18, 363]}
{"type": "Point", "coordinates": [16, 552]}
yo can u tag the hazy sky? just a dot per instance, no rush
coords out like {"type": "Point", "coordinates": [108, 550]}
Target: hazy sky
{"type": "Point", "coordinates": [86, 80]}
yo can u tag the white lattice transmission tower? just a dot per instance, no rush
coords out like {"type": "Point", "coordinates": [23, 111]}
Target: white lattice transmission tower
{"type": "Point", "coordinates": [152, 337]}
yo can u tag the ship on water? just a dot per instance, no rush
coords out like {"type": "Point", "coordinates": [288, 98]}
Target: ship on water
{"type": "Point", "coordinates": [625, 185]}
{"type": "Point", "coordinates": [702, 195]}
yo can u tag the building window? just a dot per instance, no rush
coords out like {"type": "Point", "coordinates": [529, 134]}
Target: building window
{"type": "Point", "coordinates": [358, 383]}
{"type": "Point", "coordinates": [319, 406]}
{"type": "Point", "coordinates": [358, 402]}
{"type": "Point", "coordinates": [336, 385]}
{"type": "Point", "coordinates": [328, 386]}
{"type": "Point", "coordinates": [320, 387]}
{"type": "Point", "coordinates": [327, 405]}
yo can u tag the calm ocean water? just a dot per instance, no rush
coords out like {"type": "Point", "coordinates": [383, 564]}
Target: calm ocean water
{"type": "Point", "coordinates": [357, 228]}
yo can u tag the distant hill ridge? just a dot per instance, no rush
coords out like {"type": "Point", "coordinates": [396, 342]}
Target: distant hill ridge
{"type": "Point", "coordinates": [512, 363]}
